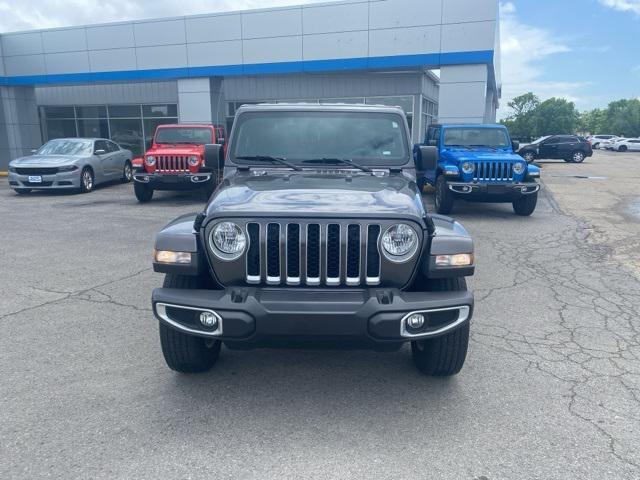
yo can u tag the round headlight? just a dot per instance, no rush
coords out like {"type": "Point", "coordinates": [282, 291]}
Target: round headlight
{"type": "Point", "coordinates": [468, 167]}
{"type": "Point", "coordinates": [518, 168]}
{"type": "Point", "coordinates": [150, 160]}
{"type": "Point", "coordinates": [400, 241]}
{"type": "Point", "coordinates": [193, 161]}
{"type": "Point", "coordinates": [229, 240]}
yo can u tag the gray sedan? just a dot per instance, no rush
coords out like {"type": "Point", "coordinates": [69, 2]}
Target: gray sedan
{"type": "Point", "coordinates": [71, 163]}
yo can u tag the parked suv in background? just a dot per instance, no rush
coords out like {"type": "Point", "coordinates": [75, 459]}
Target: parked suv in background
{"type": "Point", "coordinates": [478, 163]}
{"type": "Point", "coordinates": [596, 140]}
{"type": "Point", "coordinates": [176, 161]}
{"type": "Point", "coordinates": [569, 148]}
{"type": "Point", "coordinates": [627, 144]}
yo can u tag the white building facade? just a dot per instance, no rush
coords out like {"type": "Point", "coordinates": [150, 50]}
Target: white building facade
{"type": "Point", "coordinates": [121, 80]}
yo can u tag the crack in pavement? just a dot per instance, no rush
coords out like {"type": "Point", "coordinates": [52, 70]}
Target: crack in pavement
{"type": "Point", "coordinates": [84, 294]}
{"type": "Point", "coordinates": [590, 341]}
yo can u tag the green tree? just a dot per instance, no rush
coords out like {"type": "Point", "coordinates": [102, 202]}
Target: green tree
{"type": "Point", "coordinates": [555, 116]}
{"type": "Point", "coordinates": [593, 121]}
{"type": "Point", "coordinates": [519, 122]}
{"type": "Point", "coordinates": [622, 117]}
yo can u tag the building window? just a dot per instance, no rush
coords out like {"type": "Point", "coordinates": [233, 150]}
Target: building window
{"type": "Point", "coordinates": [131, 126]}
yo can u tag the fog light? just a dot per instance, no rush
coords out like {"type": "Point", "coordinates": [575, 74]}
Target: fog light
{"type": "Point", "coordinates": [415, 321]}
{"type": "Point", "coordinates": [208, 319]}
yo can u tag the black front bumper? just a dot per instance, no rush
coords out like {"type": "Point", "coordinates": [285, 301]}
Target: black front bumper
{"type": "Point", "coordinates": [496, 192]}
{"type": "Point", "coordinates": [252, 317]}
{"type": "Point", "coordinates": [174, 181]}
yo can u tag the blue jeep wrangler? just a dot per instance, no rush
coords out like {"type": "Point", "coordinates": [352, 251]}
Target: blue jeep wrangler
{"type": "Point", "coordinates": [476, 163]}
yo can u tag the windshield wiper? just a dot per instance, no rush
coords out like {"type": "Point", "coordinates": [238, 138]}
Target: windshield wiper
{"type": "Point", "coordinates": [461, 146]}
{"type": "Point", "coordinates": [343, 161]}
{"type": "Point", "coordinates": [486, 146]}
{"type": "Point", "coordinates": [267, 158]}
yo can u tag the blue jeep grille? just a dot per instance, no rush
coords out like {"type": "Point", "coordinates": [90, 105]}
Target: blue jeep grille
{"type": "Point", "coordinates": [493, 171]}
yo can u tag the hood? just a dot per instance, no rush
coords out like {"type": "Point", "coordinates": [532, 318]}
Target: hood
{"type": "Point", "coordinates": [480, 156]}
{"type": "Point", "coordinates": [180, 149]}
{"type": "Point", "coordinates": [317, 193]}
{"type": "Point", "coordinates": [42, 160]}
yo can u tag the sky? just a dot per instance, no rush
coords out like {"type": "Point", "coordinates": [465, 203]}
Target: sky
{"type": "Point", "coordinates": [587, 51]}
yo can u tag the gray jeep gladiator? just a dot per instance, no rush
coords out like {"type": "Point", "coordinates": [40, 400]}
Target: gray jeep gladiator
{"type": "Point", "coordinates": [317, 236]}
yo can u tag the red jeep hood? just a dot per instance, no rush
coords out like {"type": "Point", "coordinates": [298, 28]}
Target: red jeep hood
{"type": "Point", "coordinates": [168, 149]}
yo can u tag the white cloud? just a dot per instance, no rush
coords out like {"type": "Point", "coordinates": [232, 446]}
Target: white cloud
{"type": "Point", "coordinates": [623, 5]}
{"type": "Point", "coordinates": [523, 48]}
{"type": "Point", "coordinates": [25, 15]}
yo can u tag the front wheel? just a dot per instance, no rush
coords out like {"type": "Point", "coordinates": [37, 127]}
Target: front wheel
{"type": "Point", "coordinates": [443, 356]}
{"type": "Point", "coordinates": [444, 198]}
{"type": "Point", "coordinates": [86, 180]}
{"type": "Point", "coordinates": [144, 193]}
{"type": "Point", "coordinates": [529, 157]}
{"type": "Point", "coordinates": [127, 172]}
{"type": "Point", "coordinates": [525, 205]}
{"type": "Point", "coordinates": [182, 352]}
{"type": "Point", "coordinates": [577, 157]}
{"type": "Point", "coordinates": [622, 148]}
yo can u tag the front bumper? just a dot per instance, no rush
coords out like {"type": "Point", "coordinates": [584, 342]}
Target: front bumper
{"type": "Point", "coordinates": [495, 191]}
{"type": "Point", "coordinates": [252, 317]}
{"type": "Point", "coordinates": [174, 181]}
{"type": "Point", "coordinates": [69, 180]}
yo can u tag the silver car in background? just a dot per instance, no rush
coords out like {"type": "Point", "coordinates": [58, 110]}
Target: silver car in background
{"type": "Point", "coordinates": [71, 163]}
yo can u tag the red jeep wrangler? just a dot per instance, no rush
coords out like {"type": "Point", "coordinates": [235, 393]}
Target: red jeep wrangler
{"type": "Point", "coordinates": [175, 160]}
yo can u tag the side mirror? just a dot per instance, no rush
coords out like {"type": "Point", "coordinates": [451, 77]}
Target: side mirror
{"type": "Point", "coordinates": [516, 145]}
{"type": "Point", "coordinates": [213, 156]}
{"type": "Point", "coordinates": [100, 152]}
{"type": "Point", "coordinates": [426, 158]}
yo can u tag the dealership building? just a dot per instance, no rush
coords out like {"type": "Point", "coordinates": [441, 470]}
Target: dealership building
{"type": "Point", "coordinates": [437, 59]}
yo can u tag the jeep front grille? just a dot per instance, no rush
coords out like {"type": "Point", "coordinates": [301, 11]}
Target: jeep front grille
{"type": "Point", "coordinates": [313, 254]}
{"type": "Point", "coordinates": [494, 171]}
{"type": "Point", "coordinates": [172, 164]}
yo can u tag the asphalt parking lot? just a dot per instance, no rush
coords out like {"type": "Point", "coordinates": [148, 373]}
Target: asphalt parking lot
{"type": "Point", "coordinates": [550, 390]}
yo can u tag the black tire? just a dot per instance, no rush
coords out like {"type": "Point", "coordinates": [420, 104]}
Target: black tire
{"type": "Point", "coordinates": [144, 193]}
{"type": "Point", "coordinates": [529, 156]}
{"type": "Point", "coordinates": [87, 180]}
{"type": "Point", "coordinates": [443, 356]}
{"type": "Point", "coordinates": [22, 191]}
{"type": "Point", "coordinates": [596, 146]}
{"type": "Point", "coordinates": [525, 205]}
{"type": "Point", "coordinates": [444, 198]}
{"type": "Point", "coordinates": [577, 157]}
{"type": "Point", "coordinates": [623, 148]}
{"type": "Point", "coordinates": [127, 172]}
{"type": "Point", "coordinates": [182, 352]}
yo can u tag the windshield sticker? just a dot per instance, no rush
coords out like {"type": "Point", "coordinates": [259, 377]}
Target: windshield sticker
{"type": "Point", "coordinates": [394, 124]}
{"type": "Point", "coordinates": [386, 152]}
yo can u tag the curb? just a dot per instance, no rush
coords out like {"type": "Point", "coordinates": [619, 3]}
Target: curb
{"type": "Point", "coordinates": [3, 174]}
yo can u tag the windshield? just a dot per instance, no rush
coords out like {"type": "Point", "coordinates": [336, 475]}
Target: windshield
{"type": "Point", "coordinates": [192, 135]}
{"type": "Point", "coordinates": [476, 137]}
{"type": "Point", "coordinates": [66, 147]}
{"type": "Point", "coordinates": [368, 138]}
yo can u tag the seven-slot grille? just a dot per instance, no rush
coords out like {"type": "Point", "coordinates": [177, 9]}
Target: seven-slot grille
{"type": "Point", "coordinates": [313, 254]}
{"type": "Point", "coordinates": [172, 163]}
{"type": "Point", "coordinates": [36, 170]}
{"type": "Point", "coordinates": [497, 171]}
